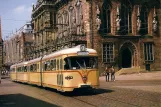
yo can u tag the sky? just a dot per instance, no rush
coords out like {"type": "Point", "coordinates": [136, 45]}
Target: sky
{"type": "Point", "coordinates": [14, 14]}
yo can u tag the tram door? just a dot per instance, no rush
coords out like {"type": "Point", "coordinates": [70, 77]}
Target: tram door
{"type": "Point", "coordinates": [59, 64]}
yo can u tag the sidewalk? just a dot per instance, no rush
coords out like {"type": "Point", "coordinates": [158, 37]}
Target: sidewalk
{"type": "Point", "coordinates": [150, 81]}
{"type": "Point", "coordinates": [155, 75]}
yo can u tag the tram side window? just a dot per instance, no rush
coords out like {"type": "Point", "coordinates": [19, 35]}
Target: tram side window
{"type": "Point", "coordinates": [31, 68]}
{"type": "Point", "coordinates": [22, 69]}
{"type": "Point", "coordinates": [18, 69]}
{"type": "Point", "coordinates": [53, 64]}
{"type": "Point", "coordinates": [28, 68]}
{"type": "Point", "coordinates": [37, 66]}
{"type": "Point", "coordinates": [66, 64]}
{"type": "Point", "coordinates": [45, 66]}
{"type": "Point", "coordinates": [48, 66]}
{"type": "Point", "coordinates": [61, 64]}
{"type": "Point", "coordinates": [12, 69]}
{"type": "Point", "coordinates": [34, 67]}
{"type": "Point", "coordinates": [25, 68]}
{"type": "Point", "coordinates": [57, 63]}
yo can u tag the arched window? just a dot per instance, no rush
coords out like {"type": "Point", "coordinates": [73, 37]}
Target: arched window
{"type": "Point", "coordinates": [144, 20]}
{"type": "Point", "coordinates": [106, 17]}
{"type": "Point", "coordinates": [65, 22]}
{"type": "Point", "coordinates": [126, 19]}
{"type": "Point", "coordinates": [60, 28]}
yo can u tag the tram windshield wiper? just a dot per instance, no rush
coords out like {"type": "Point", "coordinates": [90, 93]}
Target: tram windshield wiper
{"type": "Point", "coordinates": [79, 64]}
{"type": "Point", "coordinates": [85, 64]}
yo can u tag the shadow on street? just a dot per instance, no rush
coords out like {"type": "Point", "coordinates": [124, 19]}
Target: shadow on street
{"type": "Point", "coordinates": [86, 92]}
{"type": "Point", "coordinates": [20, 100]}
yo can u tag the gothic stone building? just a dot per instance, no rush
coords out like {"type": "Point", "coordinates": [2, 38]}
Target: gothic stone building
{"type": "Point", "coordinates": [125, 33]}
{"type": "Point", "coordinates": [16, 49]}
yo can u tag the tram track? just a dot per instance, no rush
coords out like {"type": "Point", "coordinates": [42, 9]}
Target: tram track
{"type": "Point", "coordinates": [103, 97]}
{"type": "Point", "coordinates": [85, 102]}
{"type": "Point", "coordinates": [130, 99]}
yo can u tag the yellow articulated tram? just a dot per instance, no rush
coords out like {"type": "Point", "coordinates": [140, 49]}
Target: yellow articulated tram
{"type": "Point", "coordinates": [64, 70]}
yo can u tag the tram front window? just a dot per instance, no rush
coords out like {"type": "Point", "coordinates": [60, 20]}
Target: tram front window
{"type": "Point", "coordinates": [80, 63]}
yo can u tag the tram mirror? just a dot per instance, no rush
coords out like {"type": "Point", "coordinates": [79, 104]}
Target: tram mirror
{"type": "Point", "coordinates": [64, 62]}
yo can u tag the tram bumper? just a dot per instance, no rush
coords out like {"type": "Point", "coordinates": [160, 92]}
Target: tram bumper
{"type": "Point", "coordinates": [88, 85]}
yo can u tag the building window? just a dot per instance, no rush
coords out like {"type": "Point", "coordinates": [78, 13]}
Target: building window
{"type": "Point", "coordinates": [106, 17]}
{"type": "Point", "coordinates": [108, 52]}
{"type": "Point", "coordinates": [126, 20]}
{"type": "Point", "coordinates": [65, 23]}
{"type": "Point", "coordinates": [148, 52]}
{"type": "Point", "coordinates": [144, 20]}
{"type": "Point", "coordinates": [60, 27]}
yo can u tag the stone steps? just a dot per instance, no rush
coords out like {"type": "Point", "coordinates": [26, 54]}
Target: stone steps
{"type": "Point", "coordinates": [128, 71]}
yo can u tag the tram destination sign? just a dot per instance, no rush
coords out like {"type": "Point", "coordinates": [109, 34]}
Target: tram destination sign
{"type": "Point", "coordinates": [82, 53]}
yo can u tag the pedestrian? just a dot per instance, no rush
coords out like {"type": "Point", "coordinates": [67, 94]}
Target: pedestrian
{"type": "Point", "coordinates": [107, 73]}
{"type": "Point", "coordinates": [112, 70]}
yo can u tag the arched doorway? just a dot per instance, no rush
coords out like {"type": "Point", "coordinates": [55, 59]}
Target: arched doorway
{"type": "Point", "coordinates": [126, 58]}
{"type": "Point", "coordinates": [128, 55]}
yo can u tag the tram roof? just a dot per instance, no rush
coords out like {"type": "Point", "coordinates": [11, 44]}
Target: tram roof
{"type": "Point", "coordinates": [34, 60]}
{"type": "Point", "coordinates": [19, 64]}
{"type": "Point", "coordinates": [57, 53]}
{"type": "Point", "coordinates": [68, 51]}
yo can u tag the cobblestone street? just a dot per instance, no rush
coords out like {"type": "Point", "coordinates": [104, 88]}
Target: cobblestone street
{"type": "Point", "coordinates": [132, 90]}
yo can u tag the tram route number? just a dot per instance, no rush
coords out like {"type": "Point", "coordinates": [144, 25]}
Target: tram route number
{"type": "Point", "coordinates": [69, 77]}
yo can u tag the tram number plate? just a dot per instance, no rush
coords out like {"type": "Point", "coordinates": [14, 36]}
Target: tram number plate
{"type": "Point", "coordinates": [82, 53]}
{"type": "Point", "coordinates": [85, 86]}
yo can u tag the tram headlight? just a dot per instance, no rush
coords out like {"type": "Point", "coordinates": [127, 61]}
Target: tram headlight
{"type": "Point", "coordinates": [84, 78]}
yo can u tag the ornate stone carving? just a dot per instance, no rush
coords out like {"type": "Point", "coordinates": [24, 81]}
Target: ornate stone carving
{"type": "Point", "coordinates": [138, 24]}
{"type": "Point", "coordinates": [78, 3]}
{"type": "Point", "coordinates": [80, 28]}
{"type": "Point", "coordinates": [98, 20]}
{"type": "Point", "coordinates": [155, 22]}
{"type": "Point", "coordinates": [74, 26]}
{"type": "Point", "coordinates": [118, 19]}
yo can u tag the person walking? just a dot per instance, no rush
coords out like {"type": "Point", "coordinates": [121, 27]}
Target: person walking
{"type": "Point", "coordinates": [107, 73]}
{"type": "Point", "coordinates": [112, 70]}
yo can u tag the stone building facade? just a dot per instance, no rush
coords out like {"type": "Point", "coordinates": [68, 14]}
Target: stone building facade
{"type": "Point", "coordinates": [1, 49]}
{"type": "Point", "coordinates": [53, 28]}
{"type": "Point", "coordinates": [125, 33]}
{"type": "Point", "coordinates": [129, 33]}
{"type": "Point", "coordinates": [16, 49]}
